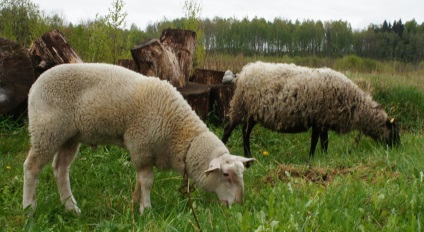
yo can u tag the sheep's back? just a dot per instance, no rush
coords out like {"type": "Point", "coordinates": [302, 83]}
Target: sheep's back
{"type": "Point", "coordinates": [102, 102]}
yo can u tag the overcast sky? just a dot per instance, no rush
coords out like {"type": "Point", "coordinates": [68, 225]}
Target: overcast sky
{"type": "Point", "coordinates": [359, 13]}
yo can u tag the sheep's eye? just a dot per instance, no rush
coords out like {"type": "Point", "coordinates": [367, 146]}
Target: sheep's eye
{"type": "Point", "coordinates": [226, 174]}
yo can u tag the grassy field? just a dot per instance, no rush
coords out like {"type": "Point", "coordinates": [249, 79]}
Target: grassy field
{"type": "Point", "coordinates": [354, 187]}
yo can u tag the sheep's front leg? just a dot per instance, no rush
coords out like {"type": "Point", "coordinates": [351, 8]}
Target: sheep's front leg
{"type": "Point", "coordinates": [246, 131]}
{"type": "Point", "coordinates": [143, 186]}
{"type": "Point", "coordinates": [324, 140]}
{"type": "Point", "coordinates": [61, 165]}
{"type": "Point", "coordinates": [314, 140]}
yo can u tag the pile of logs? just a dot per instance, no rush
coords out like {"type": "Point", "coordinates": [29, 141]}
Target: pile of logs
{"type": "Point", "coordinates": [170, 58]}
{"type": "Point", "coordinates": [20, 67]}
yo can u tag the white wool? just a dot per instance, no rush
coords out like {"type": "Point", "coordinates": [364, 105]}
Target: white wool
{"type": "Point", "coordinates": [106, 104]}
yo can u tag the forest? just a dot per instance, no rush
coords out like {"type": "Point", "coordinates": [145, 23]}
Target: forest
{"type": "Point", "coordinates": [107, 39]}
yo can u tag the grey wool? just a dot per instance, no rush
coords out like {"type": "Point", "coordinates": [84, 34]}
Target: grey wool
{"type": "Point", "coordinates": [291, 99]}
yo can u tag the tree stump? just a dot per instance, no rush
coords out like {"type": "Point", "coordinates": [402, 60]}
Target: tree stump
{"type": "Point", "coordinates": [170, 58]}
{"type": "Point", "coordinates": [155, 60]}
{"type": "Point", "coordinates": [183, 44]}
{"type": "Point", "coordinates": [16, 76]}
{"type": "Point", "coordinates": [198, 97]}
{"type": "Point", "coordinates": [220, 95]}
{"type": "Point", "coordinates": [207, 77]}
{"type": "Point", "coordinates": [127, 63]}
{"type": "Point", "coordinates": [50, 50]}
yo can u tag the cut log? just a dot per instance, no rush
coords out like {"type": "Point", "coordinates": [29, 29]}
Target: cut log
{"type": "Point", "coordinates": [50, 50]}
{"type": "Point", "coordinates": [207, 77]}
{"type": "Point", "coordinates": [16, 76]}
{"type": "Point", "coordinates": [220, 98]}
{"type": "Point", "coordinates": [183, 44]}
{"type": "Point", "coordinates": [220, 95]}
{"type": "Point", "coordinates": [169, 58]}
{"type": "Point", "coordinates": [197, 96]}
{"type": "Point", "coordinates": [127, 63]}
{"type": "Point", "coordinates": [155, 60]}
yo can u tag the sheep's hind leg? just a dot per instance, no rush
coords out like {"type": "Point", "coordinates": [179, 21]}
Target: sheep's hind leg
{"type": "Point", "coordinates": [143, 187]}
{"type": "Point", "coordinates": [34, 163]}
{"type": "Point", "coordinates": [228, 130]}
{"type": "Point", "coordinates": [61, 165]}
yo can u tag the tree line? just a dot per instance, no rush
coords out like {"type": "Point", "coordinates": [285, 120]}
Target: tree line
{"type": "Point", "coordinates": [106, 38]}
{"type": "Point", "coordinates": [397, 41]}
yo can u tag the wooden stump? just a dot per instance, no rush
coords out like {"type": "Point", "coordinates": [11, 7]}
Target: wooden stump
{"type": "Point", "coordinates": [16, 76]}
{"type": "Point", "coordinates": [169, 58]}
{"type": "Point", "coordinates": [198, 96]}
{"type": "Point", "coordinates": [127, 63]}
{"type": "Point", "coordinates": [183, 44]}
{"type": "Point", "coordinates": [220, 95]}
{"type": "Point", "coordinates": [207, 77]}
{"type": "Point", "coordinates": [154, 59]}
{"type": "Point", "coordinates": [50, 50]}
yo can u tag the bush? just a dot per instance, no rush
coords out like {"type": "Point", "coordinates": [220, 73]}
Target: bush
{"type": "Point", "coordinates": [354, 63]}
{"type": "Point", "coordinates": [404, 103]}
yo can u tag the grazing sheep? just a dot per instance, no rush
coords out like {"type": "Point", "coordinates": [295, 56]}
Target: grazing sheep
{"type": "Point", "coordinates": [105, 104]}
{"type": "Point", "coordinates": [291, 99]}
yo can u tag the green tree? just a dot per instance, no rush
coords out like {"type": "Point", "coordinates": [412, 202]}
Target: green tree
{"type": "Point", "coordinates": [98, 42]}
{"type": "Point", "coordinates": [115, 21]}
{"type": "Point", "coordinates": [192, 10]}
{"type": "Point", "coordinates": [19, 20]}
{"type": "Point", "coordinates": [79, 37]}
{"type": "Point", "coordinates": [134, 38]}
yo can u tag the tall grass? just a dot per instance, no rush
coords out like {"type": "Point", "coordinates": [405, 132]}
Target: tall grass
{"type": "Point", "coordinates": [355, 187]}
{"type": "Point", "coordinates": [351, 63]}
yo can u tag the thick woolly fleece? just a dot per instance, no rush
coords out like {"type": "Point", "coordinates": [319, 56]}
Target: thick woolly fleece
{"type": "Point", "coordinates": [106, 104]}
{"type": "Point", "coordinates": [290, 98]}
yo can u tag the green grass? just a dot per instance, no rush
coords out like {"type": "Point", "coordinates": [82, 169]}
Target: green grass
{"type": "Point", "coordinates": [355, 187]}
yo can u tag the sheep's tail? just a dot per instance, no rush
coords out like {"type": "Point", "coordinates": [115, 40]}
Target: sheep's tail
{"type": "Point", "coordinates": [229, 77]}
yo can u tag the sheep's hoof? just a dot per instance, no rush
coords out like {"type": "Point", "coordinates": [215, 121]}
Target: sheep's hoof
{"type": "Point", "coordinates": [75, 210]}
{"type": "Point", "coordinates": [144, 209]}
{"type": "Point", "coordinates": [72, 207]}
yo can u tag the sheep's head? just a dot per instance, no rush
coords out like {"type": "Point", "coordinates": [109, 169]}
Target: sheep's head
{"type": "Point", "coordinates": [226, 171]}
{"type": "Point", "coordinates": [228, 77]}
{"type": "Point", "coordinates": [392, 137]}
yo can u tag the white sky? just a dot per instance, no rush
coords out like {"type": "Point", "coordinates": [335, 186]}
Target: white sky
{"type": "Point", "coordinates": [359, 13]}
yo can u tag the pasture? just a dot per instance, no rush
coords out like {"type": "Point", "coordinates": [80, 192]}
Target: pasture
{"type": "Point", "coordinates": [356, 186]}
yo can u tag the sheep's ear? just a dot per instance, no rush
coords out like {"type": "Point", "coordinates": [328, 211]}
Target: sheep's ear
{"type": "Point", "coordinates": [244, 160]}
{"type": "Point", "coordinates": [213, 165]}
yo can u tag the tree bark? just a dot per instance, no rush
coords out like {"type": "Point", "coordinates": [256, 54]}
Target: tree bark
{"type": "Point", "coordinates": [16, 76]}
{"type": "Point", "coordinates": [50, 50]}
{"type": "Point", "coordinates": [155, 60]}
{"type": "Point", "coordinates": [183, 44]}
{"type": "Point", "coordinates": [198, 97]}
{"type": "Point", "coordinates": [170, 58]}
{"type": "Point", "coordinates": [220, 95]}
{"type": "Point", "coordinates": [207, 77]}
{"type": "Point", "coordinates": [127, 63]}
{"type": "Point", "coordinates": [220, 98]}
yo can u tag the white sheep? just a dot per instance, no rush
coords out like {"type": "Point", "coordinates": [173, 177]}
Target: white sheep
{"type": "Point", "coordinates": [106, 104]}
{"type": "Point", "coordinates": [291, 99]}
